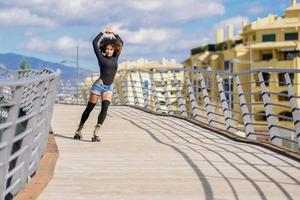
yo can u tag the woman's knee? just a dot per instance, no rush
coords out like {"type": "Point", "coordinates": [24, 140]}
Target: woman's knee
{"type": "Point", "coordinates": [107, 96]}
{"type": "Point", "coordinates": [104, 106]}
{"type": "Point", "coordinates": [90, 106]}
{"type": "Point", "coordinates": [93, 98]}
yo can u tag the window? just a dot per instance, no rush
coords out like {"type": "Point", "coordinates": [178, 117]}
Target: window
{"type": "Point", "coordinates": [291, 36]}
{"type": "Point", "coordinates": [208, 84]}
{"type": "Point", "coordinates": [283, 96]}
{"type": "Point", "coordinates": [281, 78]}
{"type": "Point", "coordinates": [146, 84]}
{"type": "Point", "coordinates": [266, 77]}
{"type": "Point", "coordinates": [290, 55]}
{"type": "Point", "coordinates": [174, 92]}
{"type": "Point", "coordinates": [260, 116]}
{"type": "Point", "coordinates": [254, 37]}
{"type": "Point", "coordinates": [269, 38]}
{"type": "Point", "coordinates": [162, 103]}
{"type": "Point", "coordinates": [227, 65]}
{"type": "Point", "coordinates": [285, 114]}
{"type": "Point", "coordinates": [267, 56]}
{"type": "Point", "coordinates": [238, 41]}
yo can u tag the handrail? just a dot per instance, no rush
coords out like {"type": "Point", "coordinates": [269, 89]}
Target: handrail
{"type": "Point", "coordinates": [26, 105]}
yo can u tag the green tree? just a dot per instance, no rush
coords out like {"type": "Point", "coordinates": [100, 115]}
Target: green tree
{"type": "Point", "coordinates": [24, 65]}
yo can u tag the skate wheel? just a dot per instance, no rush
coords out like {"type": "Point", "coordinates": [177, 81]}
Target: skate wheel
{"type": "Point", "coordinates": [77, 137]}
{"type": "Point", "coordinates": [95, 139]}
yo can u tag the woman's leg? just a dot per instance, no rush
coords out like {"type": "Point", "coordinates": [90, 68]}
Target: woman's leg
{"type": "Point", "coordinates": [106, 99]}
{"type": "Point", "coordinates": [90, 106]}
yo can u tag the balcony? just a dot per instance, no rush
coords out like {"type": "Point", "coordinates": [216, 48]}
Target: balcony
{"type": "Point", "coordinates": [274, 63]}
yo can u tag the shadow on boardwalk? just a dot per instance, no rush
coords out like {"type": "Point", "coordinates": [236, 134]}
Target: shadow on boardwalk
{"type": "Point", "coordinates": [184, 137]}
{"type": "Point", "coordinates": [148, 157]}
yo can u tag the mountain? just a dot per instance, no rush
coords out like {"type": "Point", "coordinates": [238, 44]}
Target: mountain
{"type": "Point", "coordinates": [12, 62]}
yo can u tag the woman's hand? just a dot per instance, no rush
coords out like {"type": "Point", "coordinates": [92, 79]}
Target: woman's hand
{"type": "Point", "coordinates": [108, 30]}
{"type": "Point", "coordinates": [105, 30]}
{"type": "Point", "coordinates": [100, 81]}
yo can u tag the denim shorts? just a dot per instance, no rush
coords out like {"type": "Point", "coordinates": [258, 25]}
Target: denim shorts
{"type": "Point", "coordinates": [99, 88]}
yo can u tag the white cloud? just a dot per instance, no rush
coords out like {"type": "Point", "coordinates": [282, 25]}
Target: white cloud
{"type": "Point", "coordinates": [64, 45]}
{"type": "Point", "coordinates": [146, 5]}
{"type": "Point", "coordinates": [23, 17]}
{"type": "Point", "coordinates": [37, 44]}
{"type": "Point", "coordinates": [133, 13]}
{"type": "Point", "coordinates": [149, 36]}
{"type": "Point", "coordinates": [148, 27]}
{"type": "Point", "coordinates": [180, 9]}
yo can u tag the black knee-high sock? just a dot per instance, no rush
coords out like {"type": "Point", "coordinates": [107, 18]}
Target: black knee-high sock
{"type": "Point", "coordinates": [86, 112]}
{"type": "Point", "coordinates": [104, 108]}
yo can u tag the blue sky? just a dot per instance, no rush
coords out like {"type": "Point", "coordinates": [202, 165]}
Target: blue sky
{"type": "Point", "coordinates": [151, 29]}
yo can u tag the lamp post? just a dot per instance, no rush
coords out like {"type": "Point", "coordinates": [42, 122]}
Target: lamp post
{"type": "Point", "coordinates": [77, 70]}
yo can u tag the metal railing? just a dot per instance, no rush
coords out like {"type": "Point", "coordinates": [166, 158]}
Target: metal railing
{"type": "Point", "coordinates": [261, 104]}
{"type": "Point", "coordinates": [26, 105]}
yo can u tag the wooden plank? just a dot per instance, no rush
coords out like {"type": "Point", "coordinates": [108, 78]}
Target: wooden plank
{"type": "Point", "coordinates": [143, 156]}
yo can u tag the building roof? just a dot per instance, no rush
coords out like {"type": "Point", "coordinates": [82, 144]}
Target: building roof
{"type": "Point", "coordinates": [294, 7]}
{"type": "Point", "coordinates": [273, 22]}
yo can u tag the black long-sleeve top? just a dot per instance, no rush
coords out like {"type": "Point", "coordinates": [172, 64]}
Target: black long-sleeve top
{"type": "Point", "coordinates": [108, 65]}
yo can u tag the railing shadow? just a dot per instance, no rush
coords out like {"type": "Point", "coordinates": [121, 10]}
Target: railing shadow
{"type": "Point", "coordinates": [70, 137]}
{"type": "Point", "coordinates": [185, 139]}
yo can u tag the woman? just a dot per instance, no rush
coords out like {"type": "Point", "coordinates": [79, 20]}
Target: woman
{"type": "Point", "coordinates": [107, 54]}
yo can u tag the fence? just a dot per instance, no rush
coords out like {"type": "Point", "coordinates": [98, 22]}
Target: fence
{"type": "Point", "coordinates": [261, 104]}
{"type": "Point", "coordinates": [26, 105]}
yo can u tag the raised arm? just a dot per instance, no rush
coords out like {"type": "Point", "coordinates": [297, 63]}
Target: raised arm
{"type": "Point", "coordinates": [95, 45]}
{"type": "Point", "coordinates": [118, 38]}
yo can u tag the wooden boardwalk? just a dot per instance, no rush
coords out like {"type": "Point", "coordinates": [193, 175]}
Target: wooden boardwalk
{"type": "Point", "coordinates": [147, 157]}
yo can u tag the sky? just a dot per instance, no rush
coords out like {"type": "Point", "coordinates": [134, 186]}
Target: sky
{"type": "Point", "coordinates": [150, 29]}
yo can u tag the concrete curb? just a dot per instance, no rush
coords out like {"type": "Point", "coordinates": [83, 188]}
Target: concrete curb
{"type": "Point", "coordinates": [44, 174]}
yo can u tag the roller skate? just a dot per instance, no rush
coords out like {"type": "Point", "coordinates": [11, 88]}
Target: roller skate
{"type": "Point", "coordinates": [96, 137]}
{"type": "Point", "coordinates": [78, 135]}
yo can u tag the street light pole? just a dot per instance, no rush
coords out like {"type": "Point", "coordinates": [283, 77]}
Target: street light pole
{"type": "Point", "coordinates": [77, 73]}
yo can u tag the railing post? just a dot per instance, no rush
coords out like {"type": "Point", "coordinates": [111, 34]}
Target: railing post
{"type": "Point", "coordinates": [7, 140]}
{"type": "Point", "coordinates": [51, 93]}
{"type": "Point", "coordinates": [135, 97]}
{"type": "Point", "coordinates": [116, 96]}
{"type": "Point", "coordinates": [36, 124]}
{"type": "Point", "coordinates": [226, 112]}
{"type": "Point", "coordinates": [145, 92]}
{"type": "Point", "coordinates": [124, 88]}
{"type": "Point", "coordinates": [294, 106]}
{"type": "Point", "coordinates": [194, 104]}
{"type": "Point", "coordinates": [166, 94]}
{"type": "Point", "coordinates": [250, 133]}
{"type": "Point", "coordinates": [154, 93]}
{"type": "Point", "coordinates": [181, 102]}
{"type": "Point", "coordinates": [271, 119]}
{"type": "Point", "coordinates": [208, 107]}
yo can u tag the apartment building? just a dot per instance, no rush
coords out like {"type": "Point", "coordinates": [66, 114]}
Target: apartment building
{"type": "Point", "coordinates": [269, 42]}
